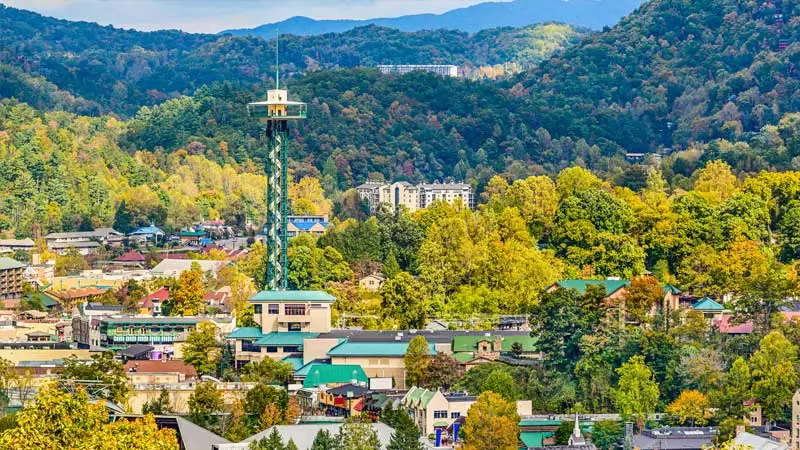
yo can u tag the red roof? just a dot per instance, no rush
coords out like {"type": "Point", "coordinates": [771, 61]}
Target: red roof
{"type": "Point", "coordinates": [726, 327]}
{"type": "Point", "coordinates": [131, 256]}
{"type": "Point", "coordinates": [161, 366]}
{"type": "Point", "coordinates": [160, 295]}
{"type": "Point", "coordinates": [175, 256]}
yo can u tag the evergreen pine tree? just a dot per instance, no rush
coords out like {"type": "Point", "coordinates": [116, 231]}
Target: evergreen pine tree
{"type": "Point", "coordinates": [390, 266]}
{"type": "Point", "coordinates": [123, 220]}
{"type": "Point", "coordinates": [324, 441]}
{"type": "Point", "coordinates": [291, 445]}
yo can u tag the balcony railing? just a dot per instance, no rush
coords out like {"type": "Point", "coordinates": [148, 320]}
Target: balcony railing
{"type": "Point", "coordinates": [287, 111]}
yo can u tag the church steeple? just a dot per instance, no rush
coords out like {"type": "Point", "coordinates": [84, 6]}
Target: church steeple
{"type": "Point", "coordinates": [576, 438]}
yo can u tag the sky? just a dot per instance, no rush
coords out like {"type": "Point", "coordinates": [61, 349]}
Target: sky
{"type": "Point", "coordinates": [211, 16]}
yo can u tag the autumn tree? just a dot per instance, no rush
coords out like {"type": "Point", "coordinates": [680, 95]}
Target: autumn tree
{"type": "Point", "coordinates": [692, 406]}
{"type": "Point", "coordinates": [70, 263]}
{"type": "Point", "coordinates": [58, 420]}
{"type": "Point", "coordinates": [402, 298]}
{"type": "Point", "coordinates": [201, 349]}
{"type": "Point", "coordinates": [443, 371]}
{"type": "Point", "coordinates": [187, 297]}
{"type": "Point", "coordinates": [267, 371]}
{"type": "Point", "coordinates": [644, 294]}
{"type": "Point", "coordinates": [492, 424]}
{"type": "Point", "coordinates": [416, 361]}
{"type": "Point", "coordinates": [637, 392]}
{"type": "Point", "coordinates": [357, 434]}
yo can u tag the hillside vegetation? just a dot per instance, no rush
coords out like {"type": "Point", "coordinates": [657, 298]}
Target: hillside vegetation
{"type": "Point", "coordinates": [112, 70]}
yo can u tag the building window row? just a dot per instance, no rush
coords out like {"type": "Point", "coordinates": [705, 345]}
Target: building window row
{"type": "Point", "coordinates": [440, 414]}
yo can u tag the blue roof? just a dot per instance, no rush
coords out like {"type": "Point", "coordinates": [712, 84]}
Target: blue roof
{"type": "Point", "coordinates": [246, 333]}
{"type": "Point", "coordinates": [305, 225]}
{"type": "Point", "coordinates": [708, 304]}
{"type": "Point", "coordinates": [295, 361]}
{"type": "Point", "coordinates": [147, 230]}
{"type": "Point", "coordinates": [374, 349]}
{"type": "Point", "coordinates": [292, 296]}
{"type": "Point", "coordinates": [611, 286]}
{"type": "Point", "coordinates": [285, 338]}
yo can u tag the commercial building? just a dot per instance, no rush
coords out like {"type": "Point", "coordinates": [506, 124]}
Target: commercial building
{"type": "Point", "coordinates": [445, 70]}
{"type": "Point", "coordinates": [173, 268]}
{"type": "Point", "coordinates": [12, 278]}
{"type": "Point", "coordinates": [414, 197]}
{"type": "Point", "coordinates": [84, 241]}
{"type": "Point", "coordinates": [314, 224]}
{"type": "Point", "coordinates": [378, 359]}
{"type": "Point", "coordinates": [118, 333]}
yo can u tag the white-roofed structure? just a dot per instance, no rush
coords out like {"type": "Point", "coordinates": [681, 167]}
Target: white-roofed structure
{"type": "Point", "coordinates": [173, 268]}
{"type": "Point", "coordinates": [303, 435]}
{"type": "Point", "coordinates": [755, 442]}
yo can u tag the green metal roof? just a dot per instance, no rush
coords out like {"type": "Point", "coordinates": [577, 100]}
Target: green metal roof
{"type": "Point", "coordinates": [418, 397]}
{"type": "Point", "coordinates": [295, 361]}
{"type": "Point", "coordinates": [374, 349]}
{"type": "Point", "coordinates": [671, 289]}
{"type": "Point", "coordinates": [470, 343]}
{"type": "Point", "coordinates": [246, 333]}
{"type": "Point", "coordinates": [292, 296]}
{"type": "Point", "coordinates": [10, 263]}
{"type": "Point", "coordinates": [463, 356]}
{"type": "Point", "coordinates": [285, 338]}
{"type": "Point", "coordinates": [534, 439]}
{"type": "Point", "coordinates": [192, 233]}
{"type": "Point", "coordinates": [439, 424]}
{"type": "Point", "coordinates": [319, 374]}
{"type": "Point", "coordinates": [580, 285]}
{"type": "Point", "coordinates": [708, 304]}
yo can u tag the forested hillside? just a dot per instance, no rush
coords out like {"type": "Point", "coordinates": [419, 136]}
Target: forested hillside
{"type": "Point", "coordinates": [112, 70]}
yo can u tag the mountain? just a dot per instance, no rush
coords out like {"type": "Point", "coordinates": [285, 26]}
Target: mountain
{"type": "Point", "coordinates": [594, 14]}
{"type": "Point", "coordinates": [90, 69]}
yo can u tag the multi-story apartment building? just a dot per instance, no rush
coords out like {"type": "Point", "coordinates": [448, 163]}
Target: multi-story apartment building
{"type": "Point", "coordinates": [11, 278]}
{"type": "Point", "coordinates": [445, 70]}
{"type": "Point", "coordinates": [84, 241]}
{"type": "Point", "coordinates": [449, 192]}
{"type": "Point", "coordinates": [414, 197]}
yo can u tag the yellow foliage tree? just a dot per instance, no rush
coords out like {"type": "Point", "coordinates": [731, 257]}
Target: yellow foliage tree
{"type": "Point", "coordinates": [492, 424]}
{"type": "Point", "coordinates": [692, 406]}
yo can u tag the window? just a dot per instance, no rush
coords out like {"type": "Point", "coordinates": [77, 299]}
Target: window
{"type": "Point", "coordinates": [257, 309]}
{"type": "Point", "coordinates": [440, 414]}
{"type": "Point", "coordinates": [295, 310]}
{"type": "Point", "coordinates": [295, 326]}
{"type": "Point", "coordinates": [272, 349]}
{"type": "Point", "coordinates": [291, 349]}
{"type": "Point", "coordinates": [384, 361]}
{"type": "Point", "coordinates": [248, 346]}
{"type": "Point", "coordinates": [455, 415]}
{"type": "Point", "coordinates": [273, 308]}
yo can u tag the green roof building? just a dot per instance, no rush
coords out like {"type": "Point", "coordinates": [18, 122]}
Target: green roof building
{"type": "Point", "coordinates": [611, 286]}
{"type": "Point", "coordinates": [320, 374]}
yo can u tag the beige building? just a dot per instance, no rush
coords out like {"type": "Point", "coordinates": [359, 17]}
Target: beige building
{"type": "Point", "coordinates": [179, 394]}
{"type": "Point", "coordinates": [413, 197]}
{"type": "Point", "coordinates": [432, 409]}
{"type": "Point", "coordinates": [372, 282]}
{"type": "Point", "coordinates": [287, 320]}
{"type": "Point", "coordinates": [378, 359]}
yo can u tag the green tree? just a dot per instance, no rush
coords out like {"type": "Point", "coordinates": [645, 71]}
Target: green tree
{"type": "Point", "coordinates": [774, 376]}
{"type": "Point", "coordinates": [492, 424]}
{"type": "Point", "coordinates": [563, 432]}
{"type": "Point", "coordinates": [267, 371]}
{"type": "Point", "coordinates": [70, 263]}
{"type": "Point", "coordinates": [324, 441]}
{"type": "Point", "coordinates": [201, 349]}
{"type": "Point", "coordinates": [204, 403]}
{"type": "Point", "coordinates": [607, 434]}
{"type": "Point", "coordinates": [503, 384]}
{"type": "Point", "coordinates": [102, 368]}
{"type": "Point", "coordinates": [402, 299]}
{"type": "Point", "coordinates": [416, 361]}
{"type": "Point", "coordinates": [272, 442]}
{"type": "Point", "coordinates": [158, 406]}
{"type": "Point", "coordinates": [187, 297]}
{"type": "Point", "coordinates": [357, 434]}
{"type": "Point", "coordinates": [123, 221]}
{"type": "Point", "coordinates": [405, 437]}
{"type": "Point", "coordinates": [637, 391]}
{"type": "Point", "coordinates": [390, 266]}
{"type": "Point", "coordinates": [736, 390]}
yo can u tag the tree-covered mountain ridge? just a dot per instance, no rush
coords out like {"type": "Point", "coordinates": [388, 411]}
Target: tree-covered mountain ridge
{"type": "Point", "coordinates": [44, 61]}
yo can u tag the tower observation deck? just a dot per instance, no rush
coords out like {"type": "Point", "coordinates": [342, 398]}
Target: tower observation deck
{"type": "Point", "coordinates": [275, 114]}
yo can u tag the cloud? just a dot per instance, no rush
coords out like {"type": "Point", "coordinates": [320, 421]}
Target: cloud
{"type": "Point", "coordinates": [215, 15]}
